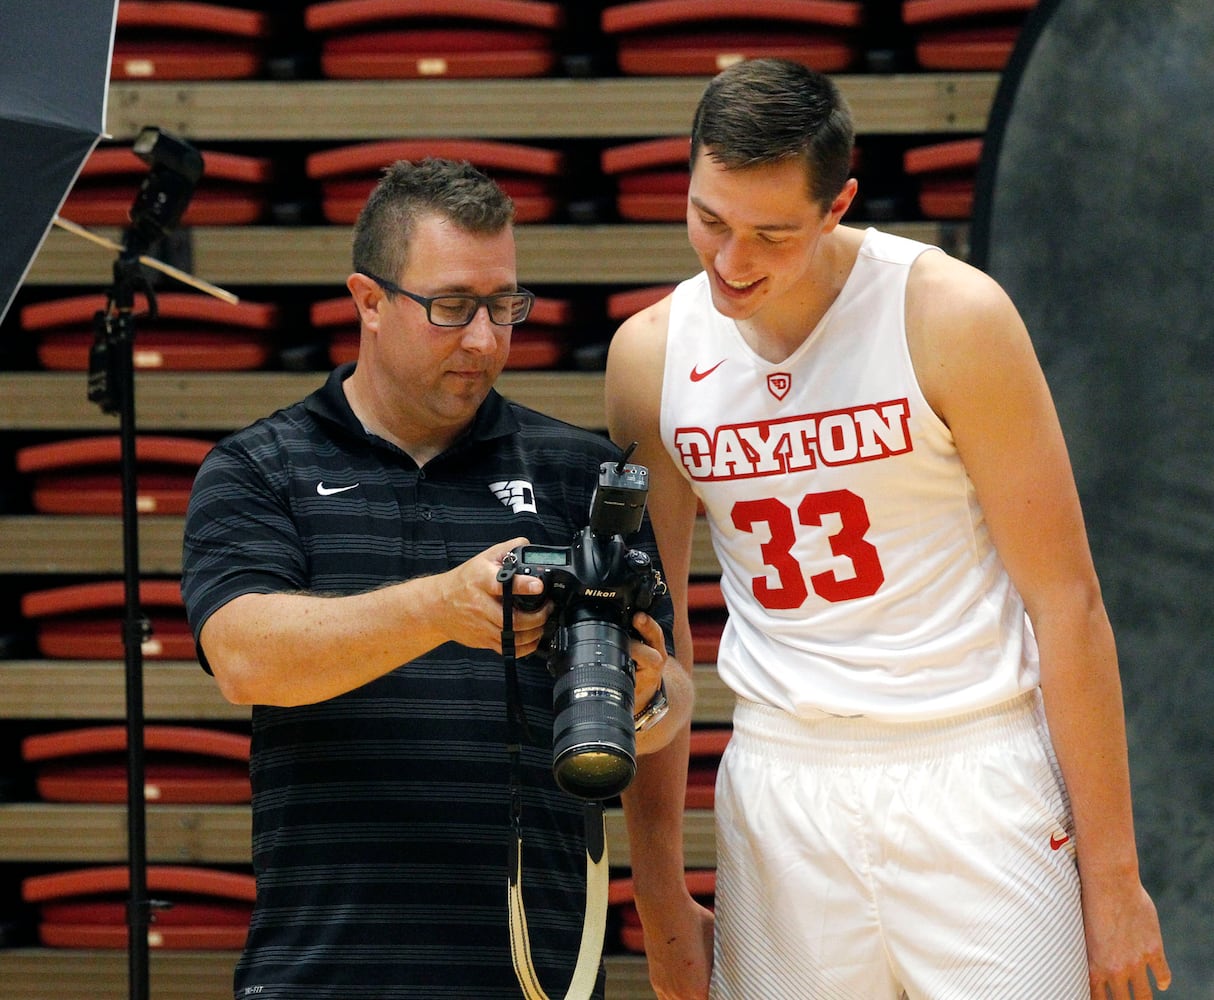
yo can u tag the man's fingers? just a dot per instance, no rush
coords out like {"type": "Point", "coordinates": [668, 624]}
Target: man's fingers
{"type": "Point", "coordinates": [498, 551]}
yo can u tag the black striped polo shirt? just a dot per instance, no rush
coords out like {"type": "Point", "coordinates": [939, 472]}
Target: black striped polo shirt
{"type": "Point", "coordinates": [380, 817]}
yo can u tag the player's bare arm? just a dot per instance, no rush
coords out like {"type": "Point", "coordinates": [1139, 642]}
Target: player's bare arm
{"type": "Point", "coordinates": [634, 394]}
{"type": "Point", "coordinates": [976, 364]}
{"type": "Point", "coordinates": [678, 932]}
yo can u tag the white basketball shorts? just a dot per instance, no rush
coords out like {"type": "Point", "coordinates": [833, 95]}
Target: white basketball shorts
{"type": "Point", "coordinates": [873, 861]}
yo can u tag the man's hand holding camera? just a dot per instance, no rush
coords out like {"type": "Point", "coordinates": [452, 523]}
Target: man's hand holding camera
{"type": "Point", "coordinates": [469, 597]}
{"type": "Point", "coordinates": [470, 604]}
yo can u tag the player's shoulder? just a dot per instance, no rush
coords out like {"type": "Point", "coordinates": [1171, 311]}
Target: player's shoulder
{"type": "Point", "coordinates": [943, 284]}
{"type": "Point", "coordinates": [957, 319]}
{"type": "Point", "coordinates": [636, 356]}
{"type": "Point", "coordinates": [646, 328]}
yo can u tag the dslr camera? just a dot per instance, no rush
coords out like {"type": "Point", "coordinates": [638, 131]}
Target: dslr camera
{"type": "Point", "coordinates": [596, 584]}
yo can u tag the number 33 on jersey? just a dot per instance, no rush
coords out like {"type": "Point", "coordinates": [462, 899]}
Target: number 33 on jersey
{"type": "Point", "coordinates": [787, 446]}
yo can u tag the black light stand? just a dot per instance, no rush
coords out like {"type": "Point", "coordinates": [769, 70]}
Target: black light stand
{"type": "Point", "coordinates": [175, 169]}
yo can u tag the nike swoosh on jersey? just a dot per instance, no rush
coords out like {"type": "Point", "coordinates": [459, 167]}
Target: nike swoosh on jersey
{"type": "Point", "coordinates": [696, 376]}
{"type": "Point", "coordinates": [328, 491]}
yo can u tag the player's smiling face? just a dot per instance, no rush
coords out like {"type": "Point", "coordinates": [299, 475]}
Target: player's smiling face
{"type": "Point", "coordinates": [756, 231]}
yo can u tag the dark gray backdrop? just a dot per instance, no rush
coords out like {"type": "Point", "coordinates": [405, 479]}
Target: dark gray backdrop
{"type": "Point", "coordinates": [1095, 210]}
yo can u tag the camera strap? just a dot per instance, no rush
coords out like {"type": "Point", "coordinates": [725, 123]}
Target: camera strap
{"type": "Point", "coordinates": [594, 924]}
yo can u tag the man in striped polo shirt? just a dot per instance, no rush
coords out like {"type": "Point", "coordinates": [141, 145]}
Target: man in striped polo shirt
{"type": "Point", "coordinates": [340, 575]}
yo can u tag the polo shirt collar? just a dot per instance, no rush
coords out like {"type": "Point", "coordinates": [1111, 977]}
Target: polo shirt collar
{"type": "Point", "coordinates": [493, 419]}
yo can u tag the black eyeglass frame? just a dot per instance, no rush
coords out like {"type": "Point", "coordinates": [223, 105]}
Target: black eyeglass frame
{"type": "Point", "coordinates": [480, 300]}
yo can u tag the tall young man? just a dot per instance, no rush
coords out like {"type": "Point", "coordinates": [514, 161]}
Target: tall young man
{"type": "Point", "coordinates": [927, 790]}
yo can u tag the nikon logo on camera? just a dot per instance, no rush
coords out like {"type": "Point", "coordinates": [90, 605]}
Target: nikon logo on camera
{"type": "Point", "coordinates": [591, 592]}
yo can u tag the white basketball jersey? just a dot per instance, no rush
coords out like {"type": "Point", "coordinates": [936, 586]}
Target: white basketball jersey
{"type": "Point", "coordinates": [857, 567]}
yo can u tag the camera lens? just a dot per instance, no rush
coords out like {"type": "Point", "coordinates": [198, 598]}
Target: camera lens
{"type": "Point", "coordinates": [594, 740]}
{"type": "Point", "coordinates": [598, 772]}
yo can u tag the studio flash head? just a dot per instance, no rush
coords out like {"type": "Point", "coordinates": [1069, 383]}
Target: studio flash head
{"type": "Point", "coordinates": [176, 167]}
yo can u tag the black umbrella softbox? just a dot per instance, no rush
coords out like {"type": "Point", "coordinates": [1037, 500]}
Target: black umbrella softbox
{"type": "Point", "coordinates": [1095, 209]}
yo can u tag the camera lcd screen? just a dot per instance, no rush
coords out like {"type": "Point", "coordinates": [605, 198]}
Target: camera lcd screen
{"type": "Point", "coordinates": [543, 557]}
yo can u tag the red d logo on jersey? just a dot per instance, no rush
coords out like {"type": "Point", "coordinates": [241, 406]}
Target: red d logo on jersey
{"type": "Point", "coordinates": [778, 384]}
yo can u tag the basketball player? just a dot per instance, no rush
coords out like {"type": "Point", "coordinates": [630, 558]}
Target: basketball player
{"type": "Point", "coordinates": [927, 790]}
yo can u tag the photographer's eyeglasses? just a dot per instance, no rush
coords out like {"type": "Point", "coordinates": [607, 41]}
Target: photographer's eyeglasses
{"type": "Point", "coordinates": [505, 308]}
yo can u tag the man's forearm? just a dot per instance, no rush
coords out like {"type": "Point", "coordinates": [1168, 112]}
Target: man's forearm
{"type": "Point", "coordinates": [298, 649]}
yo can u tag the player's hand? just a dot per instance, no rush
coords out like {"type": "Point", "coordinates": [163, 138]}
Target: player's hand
{"type": "Point", "coordinates": [679, 949]}
{"type": "Point", "coordinates": [649, 652]}
{"type": "Point", "coordinates": [1124, 943]}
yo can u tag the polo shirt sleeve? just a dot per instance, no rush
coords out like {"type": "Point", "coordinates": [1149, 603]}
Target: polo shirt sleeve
{"type": "Point", "coordinates": [240, 537]}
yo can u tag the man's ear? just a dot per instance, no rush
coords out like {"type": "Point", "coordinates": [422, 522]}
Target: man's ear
{"type": "Point", "coordinates": [368, 297]}
{"type": "Point", "coordinates": [842, 202]}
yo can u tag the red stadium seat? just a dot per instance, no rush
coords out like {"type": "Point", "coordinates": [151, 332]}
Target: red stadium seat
{"type": "Point", "coordinates": [651, 179]}
{"type": "Point", "coordinates": [191, 332]}
{"type": "Point", "coordinates": [337, 318]}
{"type": "Point", "coordinates": [86, 908]}
{"type": "Point", "coordinates": [183, 764]}
{"type": "Point", "coordinates": [707, 745]}
{"type": "Point", "coordinates": [83, 475]}
{"type": "Point", "coordinates": [705, 595]}
{"type": "Point", "coordinates": [945, 173]}
{"type": "Point", "coordinates": [965, 34]}
{"type": "Point", "coordinates": [706, 611]}
{"type": "Point", "coordinates": [621, 305]}
{"type": "Point", "coordinates": [528, 174]}
{"type": "Point", "coordinates": [418, 39]}
{"type": "Point", "coordinates": [702, 37]}
{"type": "Point", "coordinates": [188, 41]}
{"type": "Point", "coordinates": [543, 341]}
{"type": "Point", "coordinates": [83, 621]}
